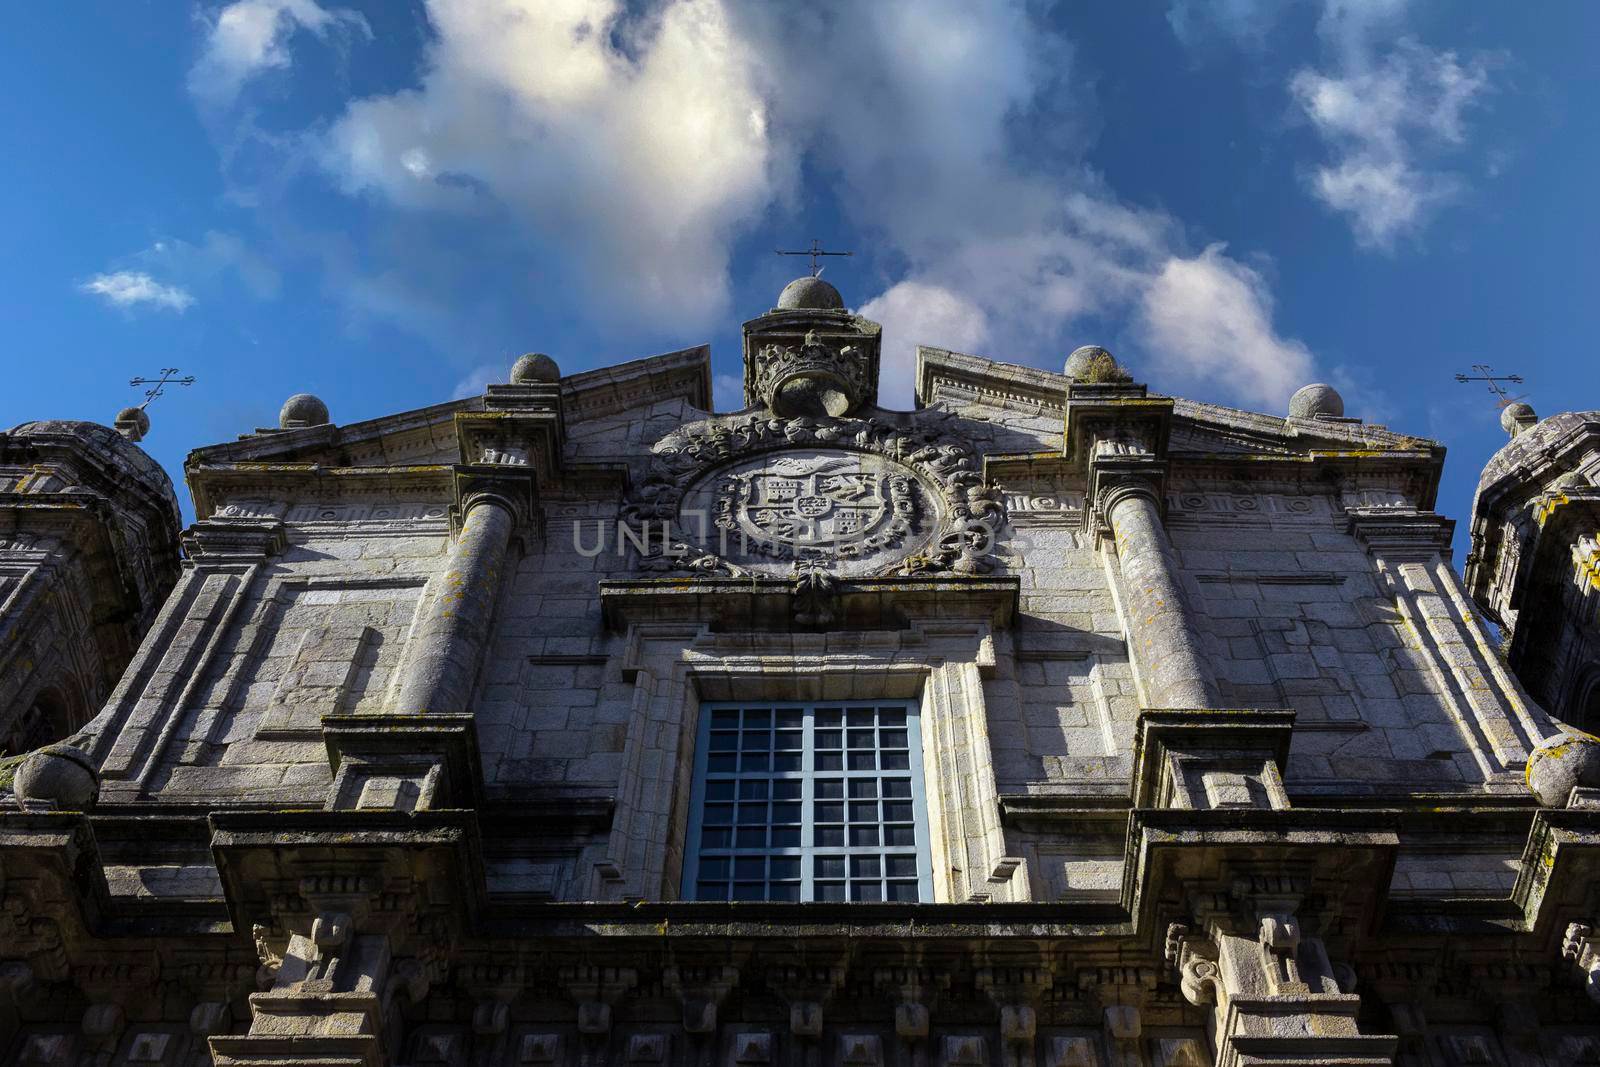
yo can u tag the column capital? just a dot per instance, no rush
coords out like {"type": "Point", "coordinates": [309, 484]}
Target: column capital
{"type": "Point", "coordinates": [234, 540]}
{"type": "Point", "coordinates": [1401, 533]}
{"type": "Point", "coordinates": [513, 487]}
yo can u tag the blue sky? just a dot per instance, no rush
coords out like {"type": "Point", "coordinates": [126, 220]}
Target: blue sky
{"type": "Point", "coordinates": [384, 203]}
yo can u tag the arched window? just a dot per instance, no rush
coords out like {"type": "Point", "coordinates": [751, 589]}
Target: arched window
{"type": "Point", "coordinates": [49, 718]}
{"type": "Point", "coordinates": [1584, 712]}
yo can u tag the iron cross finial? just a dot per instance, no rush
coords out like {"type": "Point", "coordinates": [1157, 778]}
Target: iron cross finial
{"type": "Point", "coordinates": [1486, 374]}
{"type": "Point", "coordinates": [157, 385]}
{"type": "Point", "coordinates": [816, 250]}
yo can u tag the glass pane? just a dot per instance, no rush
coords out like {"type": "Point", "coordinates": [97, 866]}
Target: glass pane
{"type": "Point", "coordinates": [829, 867]}
{"type": "Point", "coordinates": [761, 766]}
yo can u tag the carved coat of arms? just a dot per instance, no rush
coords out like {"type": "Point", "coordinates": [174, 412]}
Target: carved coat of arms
{"type": "Point", "coordinates": [832, 504]}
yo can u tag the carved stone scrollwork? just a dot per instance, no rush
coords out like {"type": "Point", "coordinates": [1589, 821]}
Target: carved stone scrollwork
{"type": "Point", "coordinates": [811, 378]}
{"type": "Point", "coordinates": [752, 495]}
{"type": "Point", "coordinates": [1582, 947]}
{"type": "Point", "coordinates": [1195, 960]}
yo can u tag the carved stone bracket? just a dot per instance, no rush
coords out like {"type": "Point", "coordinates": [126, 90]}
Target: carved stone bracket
{"type": "Point", "coordinates": [1581, 945]}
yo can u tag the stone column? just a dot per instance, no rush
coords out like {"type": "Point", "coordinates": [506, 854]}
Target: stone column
{"type": "Point", "coordinates": [448, 642]}
{"type": "Point", "coordinates": [1165, 643]}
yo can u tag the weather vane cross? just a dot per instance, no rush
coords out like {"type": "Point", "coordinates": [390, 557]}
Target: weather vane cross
{"type": "Point", "coordinates": [815, 251]}
{"type": "Point", "coordinates": [158, 385]}
{"type": "Point", "coordinates": [1486, 374]}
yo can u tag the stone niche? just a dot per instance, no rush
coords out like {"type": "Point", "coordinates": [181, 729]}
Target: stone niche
{"type": "Point", "coordinates": [857, 511]}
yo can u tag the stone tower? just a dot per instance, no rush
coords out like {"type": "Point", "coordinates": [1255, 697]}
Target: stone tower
{"type": "Point", "coordinates": [1535, 561]}
{"type": "Point", "coordinates": [88, 552]}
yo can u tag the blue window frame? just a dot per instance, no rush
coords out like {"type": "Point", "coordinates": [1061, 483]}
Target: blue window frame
{"type": "Point", "coordinates": [813, 801]}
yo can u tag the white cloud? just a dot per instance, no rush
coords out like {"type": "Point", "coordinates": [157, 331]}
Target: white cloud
{"type": "Point", "coordinates": [476, 381]}
{"type": "Point", "coordinates": [1209, 317]}
{"type": "Point", "coordinates": [631, 144]}
{"type": "Point", "coordinates": [128, 288]}
{"type": "Point", "coordinates": [1375, 120]}
{"type": "Point", "coordinates": [636, 145]}
{"type": "Point", "coordinates": [914, 313]}
{"type": "Point", "coordinates": [251, 36]}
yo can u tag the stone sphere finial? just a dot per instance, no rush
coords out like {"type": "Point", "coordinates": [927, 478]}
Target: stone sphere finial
{"type": "Point", "coordinates": [1315, 399]}
{"type": "Point", "coordinates": [300, 410]}
{"type": "Point", "coordinates": [1560, 763]}
{"type": "Point", "coordinates": [534, 367]}
{"type": "Point", "coordinates": [59, 775]}
{"type": "Point", "coordinates": [1516, 417]}
{"type": "Point", "coordinates": [1092, 364]}
{"type": "Point", "coordinates": [132, 423]}
{"type": "Point", "coordinates": [811, 294]}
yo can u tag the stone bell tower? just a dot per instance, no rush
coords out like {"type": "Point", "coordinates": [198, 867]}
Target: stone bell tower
{"type": "Point", "coordinates": [810, 355]}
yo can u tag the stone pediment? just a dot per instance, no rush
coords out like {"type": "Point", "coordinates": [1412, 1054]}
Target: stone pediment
{"type": "Point", "coordinates": [428, 435]}
{"type": "Point", "coordinates": [959, 381]}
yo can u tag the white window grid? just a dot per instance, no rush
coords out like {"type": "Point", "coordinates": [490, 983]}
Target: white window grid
{"type": "Point", "coordinates": [815, 801]}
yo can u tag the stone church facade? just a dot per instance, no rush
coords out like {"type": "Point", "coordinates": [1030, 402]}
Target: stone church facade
{"type": "Point", "coordinates": [1057, 722]}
